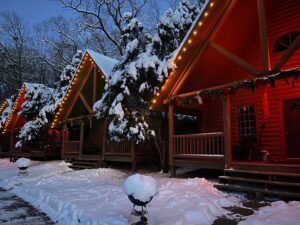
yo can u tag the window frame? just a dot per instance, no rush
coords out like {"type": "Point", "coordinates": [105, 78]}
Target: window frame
{"type": "Point", "coordinates": [254, 134]}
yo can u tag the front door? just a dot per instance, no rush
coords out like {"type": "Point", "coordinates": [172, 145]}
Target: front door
{"type": "Point", "coordinates": [292, 127]}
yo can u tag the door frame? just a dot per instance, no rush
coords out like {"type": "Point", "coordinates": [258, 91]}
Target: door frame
{"type": "Point", "coordinates": [283, 126]}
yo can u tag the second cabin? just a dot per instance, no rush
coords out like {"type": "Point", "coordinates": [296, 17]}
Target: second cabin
{"type": "Point", "coordinates": [85, 138]}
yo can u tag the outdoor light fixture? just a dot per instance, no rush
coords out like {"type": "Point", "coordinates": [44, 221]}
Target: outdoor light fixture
{"type": "Point", "coordinates": [140, 190]}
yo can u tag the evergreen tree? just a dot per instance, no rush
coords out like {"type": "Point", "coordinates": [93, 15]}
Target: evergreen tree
{"type": "Point", "coordinates": [145, 66]}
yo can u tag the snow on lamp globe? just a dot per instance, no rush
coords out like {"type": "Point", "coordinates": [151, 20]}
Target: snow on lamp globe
{"type": "Point", "coordinates": [23, 164]}
{"type": "Point", "coordinates": [140, 190]}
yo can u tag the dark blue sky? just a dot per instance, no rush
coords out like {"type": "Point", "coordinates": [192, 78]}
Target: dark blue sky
{"type": "Point", "coordinates": [34, 11]}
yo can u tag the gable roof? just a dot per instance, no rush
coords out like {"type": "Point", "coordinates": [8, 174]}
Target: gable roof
{"type": "Point", "coordinates": [104, 63]}
{"type": "Point", "coordinates": [210, 14]}
{"type": "Point", "coordinates": [211, 38]}
{"type": "Point", "coordinates": [13, 117]}
{"type": "Point", "coordinates": [5, 109]}
{"type": "Point", "coordinates": [4, 105]}
{"type": "Point", "coordinates": [90, 59]}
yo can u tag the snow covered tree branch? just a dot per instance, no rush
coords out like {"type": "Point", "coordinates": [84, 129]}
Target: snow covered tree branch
{"type": "Point", "coordinates": [145, 65]}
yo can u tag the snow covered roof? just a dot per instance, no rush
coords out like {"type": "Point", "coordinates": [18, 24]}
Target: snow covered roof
{"type": "Point", "coordinates": [5, 111]}
{"type": "Point", "coordinates": [194, 41]}
{"type": "Point", "coordinates": [104, 63]}
{"type": "Point", "coordinates": [13, 116]}
{"type": "Point", "coordinates": [4, 105]}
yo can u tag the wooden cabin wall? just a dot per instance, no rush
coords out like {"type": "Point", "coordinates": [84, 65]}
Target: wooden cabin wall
{"type": "Point", "coordinates": [96, 133]}
{"type": "Point", "coordinates": [212, 115]}
{"type": "Point", "coordinates": [272, 136]}
{"type": "Point", "coordinates": [283, 18]}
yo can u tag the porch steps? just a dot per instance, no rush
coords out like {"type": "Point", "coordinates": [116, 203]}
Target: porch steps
{"type": "Point", "coordinates": [229, 187]}
{"type": "Point", "coordinates": [80, 164]}
{"type": "Point", "coordinates": [281, 184]}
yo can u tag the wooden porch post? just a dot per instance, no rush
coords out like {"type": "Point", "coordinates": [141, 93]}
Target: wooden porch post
{"type": "Point", "coordinates": [64, 133]}
{"type": "Point", "coordinates": [133, 155]}
{"type": "Point", "coordinates": [171, 134]}
{"type": "Point", "coordinates": [11, 141]}
{"type": "Point", "coordinates": [103, 142]}
{"type": "Point", "coordinates": [81, 138]}
{"type": "Point", "coordinates": [227, 132]}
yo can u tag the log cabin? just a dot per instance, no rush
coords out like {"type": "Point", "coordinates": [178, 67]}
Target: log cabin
{"type": "Point", "coordinates": [85, 139]}
{"type": "Point", "coordinates": [47, 146]}
{"type": "Point", "coordinates": [5, 109]}
{"type": "Point", "coordinates": [238, 67]}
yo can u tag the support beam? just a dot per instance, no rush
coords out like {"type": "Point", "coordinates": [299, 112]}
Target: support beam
{"type": "Point", "coordinates": [235, 59]}
{"type": "Point", "coordinates": [86, 104]}
{"type": "Point", "coordinates": [265, 58]}
{"type": "Point", "coordinates": [11, 141]}
{"type": "Point", "coordinates": [171, 137]}
{"type": "Point", "coordinates": [95, 84]}
{"type": "Point", "coordinates": [227, 132]}
{"type": "Point", "coordinates": [64, 139]}
{"type": "Point", "coordinates": [104, 130]}
{"type": "Point", "coordinates": [81, 138]}
{"type": "Point", "coordinates": [288, 54]}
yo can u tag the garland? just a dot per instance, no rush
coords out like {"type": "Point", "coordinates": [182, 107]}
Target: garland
{"type": "Point", "coordinates": [250, 85]}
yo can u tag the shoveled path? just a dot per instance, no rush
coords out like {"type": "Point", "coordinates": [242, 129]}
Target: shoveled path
{"type": "Point", "coordinates": [15, 211]}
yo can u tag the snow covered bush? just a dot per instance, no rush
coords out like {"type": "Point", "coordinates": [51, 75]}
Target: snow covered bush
{"type": "Point", "coordinates": [23, 162]}
{"type": "Point", "coordinates": [141, 187]}
{"type": "Point", "coordinates": [140, 74]}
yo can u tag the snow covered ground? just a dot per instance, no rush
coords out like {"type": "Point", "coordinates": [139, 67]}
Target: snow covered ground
{"type": "Point", "coordinates": [97, 197]}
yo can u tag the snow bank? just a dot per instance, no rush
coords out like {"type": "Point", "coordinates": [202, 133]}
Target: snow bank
{"type": "Point", "coordinates": [277, 214]}
{"type": "Point", "coordinates": [141, 187]}
{"type": "Point", "coordinates": [97, 197]}
{"type": "Point", "coordinates": [23, 162]}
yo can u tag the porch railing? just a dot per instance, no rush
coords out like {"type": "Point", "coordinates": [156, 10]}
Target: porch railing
{"type": "Point", "coordinates": [124, 147]}
{"type": "Point", "coordinates": [203, 144]}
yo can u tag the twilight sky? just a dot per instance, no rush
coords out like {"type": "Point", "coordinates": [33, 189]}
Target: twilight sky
{"type": "Point", "coordinates": [35, 11]}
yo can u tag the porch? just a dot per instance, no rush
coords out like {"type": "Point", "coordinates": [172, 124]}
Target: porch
{"type": "Point", "coordinates": [46, 147]}
{"type": "Point", "coordinates": [85, 142]}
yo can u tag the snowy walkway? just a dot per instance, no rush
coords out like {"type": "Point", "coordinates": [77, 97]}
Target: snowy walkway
{"type": "Point", "coordinates": [97, 197]}
{"type": "Point", "coordinates": [15, 211]}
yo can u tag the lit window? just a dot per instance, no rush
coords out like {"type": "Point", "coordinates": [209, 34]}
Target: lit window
{"type": "Point", "coordinates": [285, 42]}
{"type": "Point", "coordinates": [247, 122]}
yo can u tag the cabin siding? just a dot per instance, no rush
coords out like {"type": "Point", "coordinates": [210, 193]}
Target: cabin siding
{"type": "Point", "coordinates": [272, 136]}
{"type": "Point", "coordinates": [283, 18]}
{"type": "Point", "coordinates": [212, 116]}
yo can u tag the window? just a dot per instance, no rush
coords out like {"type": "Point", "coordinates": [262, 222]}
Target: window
{"type": "Point", "coordinates": [247, 122]}
{"type": "Point", "coordinates": [285, 42]}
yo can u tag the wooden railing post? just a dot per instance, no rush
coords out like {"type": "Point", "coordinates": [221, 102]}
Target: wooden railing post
{"type": "Point", "coordinates": [64, 133]}
{"type": "Point", "coordinates": [81, 138]}
{"type": "Point", "coordinates": [133, 155]}
{"type": "Point", "coordinates": [171, 136]}
{"type": "Point", "coordinates": [227, 132]}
